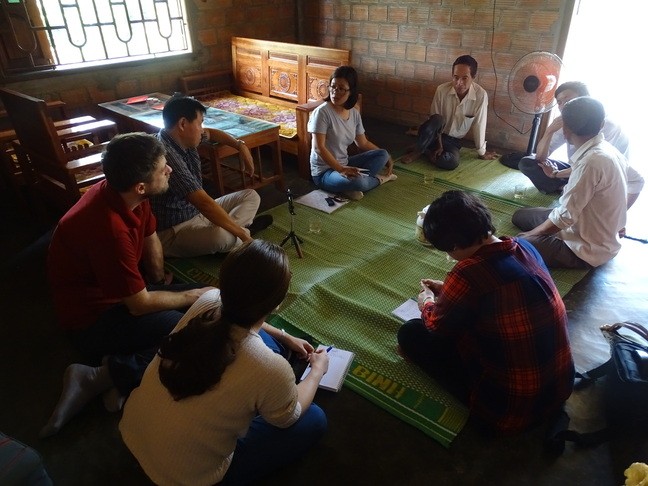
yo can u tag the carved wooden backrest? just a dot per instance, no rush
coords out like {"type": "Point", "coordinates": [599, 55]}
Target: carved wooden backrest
{"type": "Point", "coordinates": [288, 72]}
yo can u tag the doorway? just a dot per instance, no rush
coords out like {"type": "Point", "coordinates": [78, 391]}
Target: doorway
{"type": "Point", "coordinates": [606, 50]}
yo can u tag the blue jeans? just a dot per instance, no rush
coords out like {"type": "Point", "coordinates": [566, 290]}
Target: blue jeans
{"type": "Point", "coordinates": [545, 184]}
{"type": "Point", "coordinates": [266, 447]}
{"type": "Point", "coordinates": [129, 342]}
{"type": "Point", "coordinates": [273, 344]}
{"type": "Point", "coordinates": [333, 181]}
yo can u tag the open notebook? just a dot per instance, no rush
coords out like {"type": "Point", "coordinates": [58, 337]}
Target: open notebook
{"type": "Point", "coordinates": [407, 310]}
{"type": "Point", "coordinates": [339, 364]}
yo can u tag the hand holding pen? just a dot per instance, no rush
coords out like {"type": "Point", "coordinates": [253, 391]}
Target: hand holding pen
{"type": "Point", "coordinates": [320, 360]}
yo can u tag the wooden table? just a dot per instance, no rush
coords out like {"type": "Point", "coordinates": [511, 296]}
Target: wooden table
{"type": "Point", "coordinates": [228, 175]}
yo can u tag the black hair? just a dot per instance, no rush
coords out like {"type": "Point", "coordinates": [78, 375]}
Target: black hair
{"type": "Point", "coordinates": [351, 76]}
{"type": "Point", "coordinates": [253, 281]}
{"type": "Point", "coordinates": [577, 87]}
{"type": "Point", "coordinates": [468, 61]}
{"type": "Point", "coordinates": [457, 220]}
{"type": "Point", "coordinates": [131, 158]}
{"type": "Point", "coordinates": [584, 116]}
{"type": "Point", "coordinates": [180, 106]}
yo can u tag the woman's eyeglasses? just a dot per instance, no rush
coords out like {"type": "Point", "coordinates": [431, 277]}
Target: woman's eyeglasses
{"type": "Point", "coordinates": [337, 89]}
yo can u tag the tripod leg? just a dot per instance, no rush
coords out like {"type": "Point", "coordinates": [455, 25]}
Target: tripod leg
{"type": "Point", "coordinates": [285, 239]}
{"type": "Point", "coordinates": [296, 241]}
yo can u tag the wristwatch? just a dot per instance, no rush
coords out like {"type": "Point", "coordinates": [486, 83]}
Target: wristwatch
{"type": "Point", "coordinates": [554, 173]}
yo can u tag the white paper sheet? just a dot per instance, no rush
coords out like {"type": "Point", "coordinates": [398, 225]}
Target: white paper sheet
{"type": "Point", "coordinates": [317, 199]}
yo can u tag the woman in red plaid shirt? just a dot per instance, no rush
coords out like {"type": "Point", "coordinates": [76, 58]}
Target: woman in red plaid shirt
{"type": "Point", "coordinates": [495, 332]}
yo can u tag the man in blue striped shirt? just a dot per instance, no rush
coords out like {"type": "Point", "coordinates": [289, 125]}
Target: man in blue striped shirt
{"type": "Point", "coordinates": [190, 222]}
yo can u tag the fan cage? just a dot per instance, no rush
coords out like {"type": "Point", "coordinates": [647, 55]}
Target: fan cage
{"type": "Point", "coordinates": [533, 82]}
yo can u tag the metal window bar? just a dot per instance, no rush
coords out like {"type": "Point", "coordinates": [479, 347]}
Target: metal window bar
{"type": "Point", "coordinates": [96, 31]}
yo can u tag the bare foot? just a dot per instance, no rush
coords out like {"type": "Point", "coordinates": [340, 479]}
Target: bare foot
{"type": "Point", "coordinates": [113, 400]}
{"type": "Point", "coordinates": [387, 178]}
{"type": "Point", "coordinates": [81, 384]}
{"type": "Point", "coordinates": [411, 156]}
{"type": "Point", "coordinates": [399, 352]}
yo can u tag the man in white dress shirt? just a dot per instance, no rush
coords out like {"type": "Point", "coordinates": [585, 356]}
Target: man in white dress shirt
{"type": "Point", "coordinates": [458, 106]}
{"type": "Point", "coordinates": [583, 231]}
{"type": "Point", "coordinates": [551, 175]}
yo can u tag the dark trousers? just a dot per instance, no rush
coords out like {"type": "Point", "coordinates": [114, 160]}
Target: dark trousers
{"type": "Point", "coordinates": [428, 142]}
{"type": "Point", "coordinates": [128, 342]}
{"type": "Point", "coordinates": [554, 251]}
{"type": "Point", "coordinates": [436, 355]}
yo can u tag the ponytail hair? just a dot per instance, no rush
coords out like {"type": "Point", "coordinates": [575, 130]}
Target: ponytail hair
{"type": "Point", "coordinates": [253, 280]}
{"type": "Point", "coordinates": [193, 359]}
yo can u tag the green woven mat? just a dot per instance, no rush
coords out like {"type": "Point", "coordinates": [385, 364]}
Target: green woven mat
{"type": "Point", "coordinates": [363, 264]}
{"type": "Point", "coordinates": [484, 176]}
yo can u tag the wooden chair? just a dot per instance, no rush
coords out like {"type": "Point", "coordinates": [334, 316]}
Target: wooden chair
{"type": "Point", "coordinates": [46, 150]}
{"type": "Point", "coordinates": [9, 167]}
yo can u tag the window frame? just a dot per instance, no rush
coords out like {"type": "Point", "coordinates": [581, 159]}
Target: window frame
{"type": "Point", "coordinates": [10, 73]}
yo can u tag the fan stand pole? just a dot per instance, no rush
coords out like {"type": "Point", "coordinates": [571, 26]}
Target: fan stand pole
{"type": "Point", "coordinates": [534, 133]}
{"type": "Point", "coordinates": [513, 159]}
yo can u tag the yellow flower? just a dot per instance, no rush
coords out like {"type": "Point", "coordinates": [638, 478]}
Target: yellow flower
{"type": "Point", "coordinates": [636, 474]}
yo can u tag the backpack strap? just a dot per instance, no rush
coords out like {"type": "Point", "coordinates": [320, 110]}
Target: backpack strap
{"type": "Point", "coordinates": [586, 378]}
{"type": "Point", "coordinates": [558, 433]}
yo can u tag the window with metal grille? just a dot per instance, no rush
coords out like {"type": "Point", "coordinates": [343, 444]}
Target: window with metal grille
{"type": "Point", "coordinates": [64, 34]}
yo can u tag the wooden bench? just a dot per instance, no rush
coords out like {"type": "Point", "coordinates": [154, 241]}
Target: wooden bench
{"type": "Point", "coordinates": [278, 74]}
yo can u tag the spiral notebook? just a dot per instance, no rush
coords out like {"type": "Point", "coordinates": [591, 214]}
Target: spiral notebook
{"type": "Point", "coordinates": [339, 364]}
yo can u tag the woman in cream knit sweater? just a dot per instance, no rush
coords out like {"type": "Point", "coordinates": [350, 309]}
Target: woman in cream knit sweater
{"type": "Point", "coordinates": [219, 403]}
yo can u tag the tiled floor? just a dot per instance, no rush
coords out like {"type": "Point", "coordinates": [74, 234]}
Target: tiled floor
{"type": "Point", "coordinates": [364, 445]}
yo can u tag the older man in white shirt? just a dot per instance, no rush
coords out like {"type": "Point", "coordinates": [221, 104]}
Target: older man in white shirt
{"type": "Point", "coordinates": [459, 106]}
{"type": "Point", "coordinates": [549, 174]}
{"type": "Point", "coordinates": [583, 231]}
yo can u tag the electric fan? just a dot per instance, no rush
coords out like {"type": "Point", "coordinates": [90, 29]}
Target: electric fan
{"type": "Point", "coordinates": [531, 87]}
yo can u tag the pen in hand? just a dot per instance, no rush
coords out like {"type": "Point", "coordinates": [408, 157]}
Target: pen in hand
{"type": "Point", "coordinates": [329, 348]}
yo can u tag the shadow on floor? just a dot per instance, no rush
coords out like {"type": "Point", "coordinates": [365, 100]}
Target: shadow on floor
{"type": "Point", "coordinates": [364, 444]}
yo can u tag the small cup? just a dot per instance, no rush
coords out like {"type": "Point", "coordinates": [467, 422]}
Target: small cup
{"type": "Point", "coordinates": [519, 191]}
{"type": "Point", "coordinates": [314, 225]}
{"type": "Point", "coordinates": [428, 178]}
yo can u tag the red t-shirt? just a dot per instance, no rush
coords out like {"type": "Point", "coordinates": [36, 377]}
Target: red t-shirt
{"type": "Point", "coordinates": [94, 256]}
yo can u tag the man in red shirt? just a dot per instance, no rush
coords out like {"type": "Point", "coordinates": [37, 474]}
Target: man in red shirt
{"type": "Point", "coordinates": [106, 273]}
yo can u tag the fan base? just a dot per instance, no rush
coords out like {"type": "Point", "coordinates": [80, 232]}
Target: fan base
{"type": "Point", "coordinates": [512, 160]}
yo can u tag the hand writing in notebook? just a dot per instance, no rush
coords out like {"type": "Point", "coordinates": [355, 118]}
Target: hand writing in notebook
{"type": "Point", "coordinates": [297, 345]}
{"type": "Point", "coordinates": [318, 362]}
{"type": "Point", "coordinates": [339, 362]}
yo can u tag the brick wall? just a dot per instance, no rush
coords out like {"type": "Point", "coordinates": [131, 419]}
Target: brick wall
{"type": "Point", "coordinates": [213, 23]}
{"type": "Point", "coordinates": [404, 49]}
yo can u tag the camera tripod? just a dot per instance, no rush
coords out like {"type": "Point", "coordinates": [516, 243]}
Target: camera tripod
{"type": "Point", "coordinates": [292, 236]}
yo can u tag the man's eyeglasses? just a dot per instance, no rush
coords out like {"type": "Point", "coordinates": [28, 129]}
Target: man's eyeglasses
{"type": "Point", "coordinates": [337, 89]}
